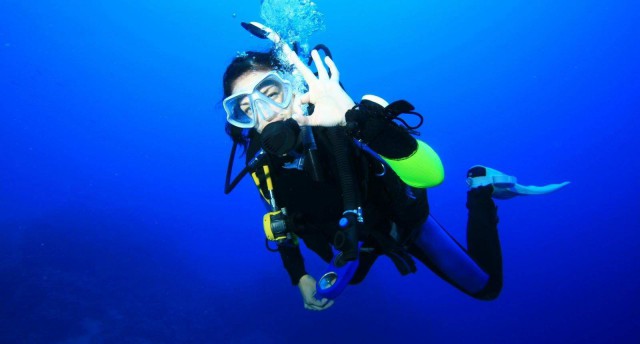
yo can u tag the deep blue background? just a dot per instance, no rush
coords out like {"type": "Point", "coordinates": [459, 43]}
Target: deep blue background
{"type": "Point", "coordinates": [114, 226]}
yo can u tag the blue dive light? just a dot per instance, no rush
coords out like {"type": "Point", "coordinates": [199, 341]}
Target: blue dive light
{"type": "Point", "coordinates": [336, 277]}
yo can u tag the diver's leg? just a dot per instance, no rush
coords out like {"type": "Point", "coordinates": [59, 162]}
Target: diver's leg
{"type": "Point", "coordinates": [483, 242]}
{"type": "Point", "coordinates": [477, 271]}
{"type": "Point", "coordinates": [441, 253]}
{"type": "Point", "coordinates": [482, 233]}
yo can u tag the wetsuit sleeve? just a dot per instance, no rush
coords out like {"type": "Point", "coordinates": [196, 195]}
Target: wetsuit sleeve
{"type": "Point", "coordinates": [289, 250]}
{"type": "Point", "coordinates": [292, 260]}
{"type": "Point", "coordinates": [417, 164]}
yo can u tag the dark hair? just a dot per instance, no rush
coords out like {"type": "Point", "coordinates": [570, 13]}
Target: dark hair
{"type": "Point", "coordinates": [241, 64]}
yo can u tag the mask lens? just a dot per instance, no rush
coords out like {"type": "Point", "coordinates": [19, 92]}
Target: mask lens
{"type": "Point", "coordinates": [272, 89]}
{"type": "Point", "coordinates": [272, 95]}
{"type": "Point", "coordinates": [269, 97]}
{"type": "Point", "coordinates": [239, 111]}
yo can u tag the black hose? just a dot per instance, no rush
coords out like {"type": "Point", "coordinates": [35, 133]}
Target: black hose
{"type": "Point", "coordinates": [228, 187]}
{"type": "Point", "coordinates": [346, 239]}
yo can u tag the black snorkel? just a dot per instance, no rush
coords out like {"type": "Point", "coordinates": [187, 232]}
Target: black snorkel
{"type": "Point", "coordinates": [344, 264]}
{"type": "Point", "coordinates": [283, 145]}
{"type": "Point", "coordinates": [279, 138]}
{"type": "Point", "coordinates": [255, 30]}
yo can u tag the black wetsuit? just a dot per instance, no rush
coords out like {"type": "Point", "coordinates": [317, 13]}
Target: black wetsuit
{"type": "Point", "coordinates": [393, 215]}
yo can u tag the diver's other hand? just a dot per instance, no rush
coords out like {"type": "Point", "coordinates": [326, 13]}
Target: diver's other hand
{"type": "Point", "coordinates": [307, 286]}
{"type": "Point", "coordinates": [325, 93]}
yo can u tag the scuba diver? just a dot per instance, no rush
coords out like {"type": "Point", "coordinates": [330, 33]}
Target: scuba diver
{"type": "Point", "coordinates": [350, 179]}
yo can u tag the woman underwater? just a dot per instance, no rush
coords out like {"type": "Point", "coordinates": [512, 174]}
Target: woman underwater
{"type": "Point", "coordinates": [348, 176]}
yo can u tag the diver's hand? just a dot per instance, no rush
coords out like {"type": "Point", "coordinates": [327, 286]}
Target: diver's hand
{"type": "Point", "coordinates": [307, 286]}
{"type": "Point", "coordinates": [325, 93]}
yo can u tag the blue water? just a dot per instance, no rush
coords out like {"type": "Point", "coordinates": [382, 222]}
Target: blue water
{"type": "Point", "coordinates": [115, 229]}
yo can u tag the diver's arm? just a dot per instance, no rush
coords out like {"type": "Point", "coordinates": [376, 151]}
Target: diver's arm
{"type": "Point", "coordinates": [294, 263]}
{"type": "Point", "coordinates": [289, 249]}
{"type": "Point", "coordinates": [416, 163]}
{"type": "Point", "coordinates": [292, 260]}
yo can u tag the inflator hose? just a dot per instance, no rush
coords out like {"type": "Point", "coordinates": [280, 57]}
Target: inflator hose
{"type": "Point", "coordinates": [346, 240]}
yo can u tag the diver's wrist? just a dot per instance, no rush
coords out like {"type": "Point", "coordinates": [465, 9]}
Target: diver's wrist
{"type": "Point", "coordinates": [304, 278]}
{"type": "Point", "coordinates": [348, 106]}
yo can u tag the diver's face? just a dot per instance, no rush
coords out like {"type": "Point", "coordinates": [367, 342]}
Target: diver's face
{"type": "Point", "coordinates": [246, 83]}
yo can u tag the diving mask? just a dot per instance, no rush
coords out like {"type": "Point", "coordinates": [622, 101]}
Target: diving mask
{"type": "Point", "coordinates": [268, 98]}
